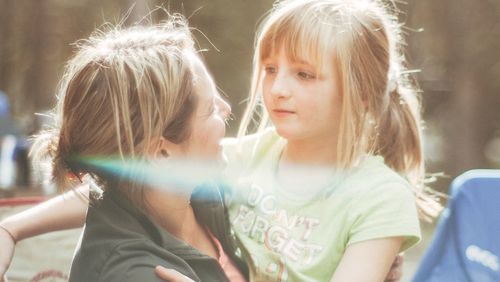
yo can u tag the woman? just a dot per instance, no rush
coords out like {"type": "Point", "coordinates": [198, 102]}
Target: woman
{"type": "Point", "coordinates": [142, 96]}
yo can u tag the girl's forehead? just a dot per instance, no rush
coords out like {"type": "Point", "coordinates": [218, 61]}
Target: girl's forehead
{"type": "Point", "coordinates": [283, 57]}
{"type": "Point", "coordinates": [314, 43]}
{"type": "Point", "coordinates": [293, 56]}
{"type": "Point", "coordinates": [321, 62]}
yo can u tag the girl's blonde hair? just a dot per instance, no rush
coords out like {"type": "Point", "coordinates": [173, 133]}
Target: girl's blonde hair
{"type": "Point", "coordinates": [122, 91]}
{"type": "Point", "coordinates": [380, 108]}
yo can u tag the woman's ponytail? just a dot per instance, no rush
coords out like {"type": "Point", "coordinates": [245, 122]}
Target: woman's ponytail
{"type": "Point", "coordinates": [50, 158]}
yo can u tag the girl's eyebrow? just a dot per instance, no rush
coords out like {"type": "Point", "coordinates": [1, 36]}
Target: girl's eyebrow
{"type": "Point", "coordinates": [303, 62]}
{"type": "Point", "coordinates": [268, 60]}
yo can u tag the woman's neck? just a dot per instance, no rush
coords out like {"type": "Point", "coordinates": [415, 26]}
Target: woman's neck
{"type": "Point", "coordinates": [172, 211]}
{"type": "Point", "coordinates": [175, 214]}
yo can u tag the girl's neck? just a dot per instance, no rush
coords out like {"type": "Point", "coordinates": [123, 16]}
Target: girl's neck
{"type": "Point", "coordinates": [319, 152]}
{"type": "Point", "coordinates": [306, 164]}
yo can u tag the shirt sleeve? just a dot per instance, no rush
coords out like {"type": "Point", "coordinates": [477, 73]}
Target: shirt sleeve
{"type": "Point", "coordinates": [386, 210]}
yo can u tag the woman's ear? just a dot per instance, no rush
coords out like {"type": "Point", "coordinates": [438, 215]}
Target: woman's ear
{"type": "Point", "coordinates": [165, 148]}
{"type": "Point", "coordinates": [164, 153]}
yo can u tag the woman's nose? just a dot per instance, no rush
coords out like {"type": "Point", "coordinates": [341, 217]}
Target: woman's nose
{"type": "Point", "coordinates": [224, 107]}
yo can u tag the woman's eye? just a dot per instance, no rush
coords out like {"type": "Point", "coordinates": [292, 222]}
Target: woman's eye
{"type": "Point", "coordinates": [212, 110]}
{"type": "Point", "coordinates": [306, 75]}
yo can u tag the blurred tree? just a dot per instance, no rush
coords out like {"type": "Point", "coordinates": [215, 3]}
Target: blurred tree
{"type": "Point", "coordinates": [37, 37]}
{"type": "Point", "coordinates": [457, 53]}
{"type": "Point", "coordinates": [227, 29]}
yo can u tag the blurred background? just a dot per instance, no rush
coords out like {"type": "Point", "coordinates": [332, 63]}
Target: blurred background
{"type": "Point", "coordinates": [454, 43]}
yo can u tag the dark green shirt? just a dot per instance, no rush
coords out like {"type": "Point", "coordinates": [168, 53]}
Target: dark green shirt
{"type": "Point", "coordinates": [120, 243]}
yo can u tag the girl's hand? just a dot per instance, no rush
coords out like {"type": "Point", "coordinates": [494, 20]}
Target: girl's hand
{"type": "Point", "coordinates": [7, 244]}
{"type": "Point", "coordinates": [171, 275]}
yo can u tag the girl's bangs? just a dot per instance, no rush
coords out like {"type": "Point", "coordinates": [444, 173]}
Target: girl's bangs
{"type": "Point", "coordinates": [302, 41]}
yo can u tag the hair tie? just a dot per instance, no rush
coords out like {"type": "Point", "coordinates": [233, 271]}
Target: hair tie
{"type": "Point", "coordinates": [8, 232]}
{"type": "Point", "coordinates": [71, 174]}
{"type": "Point", "coordinates": [74, 176]}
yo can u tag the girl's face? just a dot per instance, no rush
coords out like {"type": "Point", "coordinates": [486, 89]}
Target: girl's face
{"type": "Point", "coordinates": [302, 104]}
{"type": "Point", "coordinates": [208, 123]}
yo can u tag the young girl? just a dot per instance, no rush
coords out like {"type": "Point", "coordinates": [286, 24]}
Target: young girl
{"type": "Point", "coordinates": [142, 95]}
{"type": "Point", "coordinates": [327, 193]}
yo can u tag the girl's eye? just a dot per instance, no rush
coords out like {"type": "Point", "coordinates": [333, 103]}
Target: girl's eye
{"type": "Point", "coordinates": [270, 69]}
{"type": "Point", "coordinates": [306, 75]}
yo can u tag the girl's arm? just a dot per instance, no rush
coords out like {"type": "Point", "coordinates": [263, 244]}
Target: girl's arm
{"type": "Point", "coordinates": [65, 211]}
{"type": "Point", "coordinates": [59, 213]}
{"type": "Point", "coordinates": [368, 260]}
{"type": "Point", "coordinates": [394, 275]}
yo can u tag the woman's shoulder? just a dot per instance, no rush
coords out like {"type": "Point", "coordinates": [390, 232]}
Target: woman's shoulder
{"type": "Point", "coordinates": [126, 260]}
{"type": "Point", "coordinates": [113, 228]}
{"type": "Point", "coordinates": [115, 231]}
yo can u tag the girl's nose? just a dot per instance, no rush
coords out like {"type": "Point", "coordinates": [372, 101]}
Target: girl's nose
{"type": "Point", "coordinates": [280, 87]}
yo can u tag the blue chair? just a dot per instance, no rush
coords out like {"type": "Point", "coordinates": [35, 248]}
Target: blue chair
{"type": "Point", "coordinates": [466, 245]}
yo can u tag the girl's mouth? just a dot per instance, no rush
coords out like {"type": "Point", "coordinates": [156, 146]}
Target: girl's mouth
{"type": "Point", "coordinates": [282, 112]}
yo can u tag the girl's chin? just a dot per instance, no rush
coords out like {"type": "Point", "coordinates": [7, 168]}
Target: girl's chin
{"type": "Point", "coordinates": [285, 132]}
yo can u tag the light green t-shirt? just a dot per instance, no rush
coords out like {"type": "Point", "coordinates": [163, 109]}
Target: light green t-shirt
{"type": "Point", "coordinates": [292, 237]}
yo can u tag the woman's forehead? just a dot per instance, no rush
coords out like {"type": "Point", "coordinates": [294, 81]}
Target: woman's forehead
{"type": "Point", "coordinates": [200, 71]}
{"type": "Point", "coordinates": [204, 84]}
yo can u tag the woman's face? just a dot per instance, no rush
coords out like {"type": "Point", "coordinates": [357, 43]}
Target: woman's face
{"type": "Point", "coordinates": [208, 125]}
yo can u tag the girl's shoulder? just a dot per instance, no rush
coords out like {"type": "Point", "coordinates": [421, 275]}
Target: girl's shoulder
{"type": "Point", "coordinates": [372, 176]}
{"type": "Point", "coordinates": [381, 204]}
